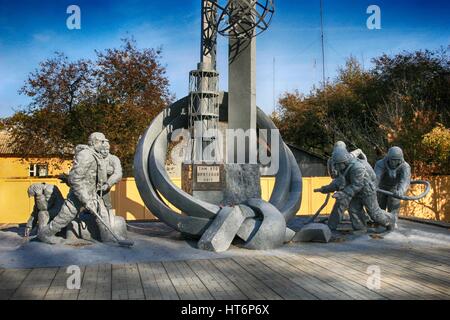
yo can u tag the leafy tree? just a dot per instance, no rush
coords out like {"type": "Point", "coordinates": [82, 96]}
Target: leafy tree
{"type": "Point", "coordinates": [437, 146]}
{"type": "Point", "coordinates": [118, 94]}
{"type": "Point", "coordinates": [397, 102]}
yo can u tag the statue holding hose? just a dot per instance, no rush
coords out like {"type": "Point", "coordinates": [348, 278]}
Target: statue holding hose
{"type": "Point", "coordinates": [393, 175]}
{"type": "Point", "coordinates": [390, 180]}
{"type": "Point", "coordinates": [356, 189]}
{"type": "Point", "coordinates": [89, 187]}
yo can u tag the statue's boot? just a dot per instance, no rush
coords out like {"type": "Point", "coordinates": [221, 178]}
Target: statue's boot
{"type": "Point", "coordinates": [63, 218]}
{"type": "Point", "coordinates": [392, 224]}
{"type": "Point", "coordinates": [47, 235]}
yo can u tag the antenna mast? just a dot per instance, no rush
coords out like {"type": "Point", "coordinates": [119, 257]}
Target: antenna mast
{"type": "Point", "coordinates": [323, 50]}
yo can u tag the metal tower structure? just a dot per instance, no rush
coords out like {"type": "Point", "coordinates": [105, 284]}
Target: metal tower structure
{"type": "Point", "coordinates": [204, 93]}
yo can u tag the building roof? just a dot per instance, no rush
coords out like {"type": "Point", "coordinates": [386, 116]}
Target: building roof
{"type": "Point", "coordinates": [5, 143]}
{"type": "Point", "coordinates": [7, 148]}
{"type": "Point", "coordinates": [315, 155]}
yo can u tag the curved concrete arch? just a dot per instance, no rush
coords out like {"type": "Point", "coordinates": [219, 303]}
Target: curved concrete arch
{"type": "Point", "coordinates": [176, 196]}
{"type": "Point", "coordinates": [283, 176]}
{"type": "Point", "coordinates": [189, 225]}
{"type": "Point", "coordinates": [151, 177]}
{"type": "Point", "coordinates": [294, 199]}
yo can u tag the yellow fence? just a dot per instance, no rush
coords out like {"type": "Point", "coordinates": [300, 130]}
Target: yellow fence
{"type": "Point", "coordinates": [15, 206]}
{"type": "Point", "coordinates": [435, 206]}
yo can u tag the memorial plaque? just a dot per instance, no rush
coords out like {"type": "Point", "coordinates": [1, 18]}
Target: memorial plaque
{"type": "Point", "coordinates": [208, 174]}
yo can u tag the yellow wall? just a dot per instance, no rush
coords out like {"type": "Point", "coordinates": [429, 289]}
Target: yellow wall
{"type": "Point", "coordinates": [435, 206]}
{"type": "Point", "coordinates": [19, 168]}
{"type": "Point", "coordinates": [15, 206]}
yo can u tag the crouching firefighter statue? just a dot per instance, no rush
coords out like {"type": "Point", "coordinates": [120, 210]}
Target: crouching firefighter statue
{"type": "Point", "coordinates": [89, 186]}
{"type": "Point", "coordinates": [48, 201]}
{"type": "Point", "coordinates": [358, 218]}
{"type": "Point", "coordinates": [355, 189]}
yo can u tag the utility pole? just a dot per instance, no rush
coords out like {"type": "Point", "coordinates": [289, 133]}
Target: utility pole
{"type": "Point", "coordinates": [322, 40]}
{"type": "Point", "coordinates": [273, 89]}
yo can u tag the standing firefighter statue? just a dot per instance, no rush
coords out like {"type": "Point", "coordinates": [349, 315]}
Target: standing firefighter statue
{"type": "Point", "coordinates": [393, 175]}
{"type": "Point", "coordinates": [88, 181]}
{"type": "Point", "coordinates": [355, 189]}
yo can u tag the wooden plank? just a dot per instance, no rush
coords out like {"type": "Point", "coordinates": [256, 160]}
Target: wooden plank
{"type": "Point", "coordinates": [10, 280]}
{"type": "Point", "coordinates": [59, 290]}
{"type": "Point", "coordinates": [245, 281]}
{"type": "Point", "coordinates": [431, 261]}
{"type": "Point", "coordinates": [336, 277]}
{"type": "Point", "coordinates": [126, 282]}
{"type": "Point", "coordinates": [281, 285]}
{"type": "Point", "coordinates": [312, 284]}
{"type": "Point", "coordinates": [96, 284]}
{"type": "Point", "coordinates": [216, 282]}
{"type": "Point", "coordinates": [199, 288]}
{"type": "Point", "coordinates": [36, 284]}
{"type": "Point", "coordinates": [387, 277]}
{"type": "Point", "coordinates": [408, 271]}
{"type": "Point", "coordinates": [156, 282]}
{"type": "Point", "coordinates": [186, 283]}
{"type": "Point", "coordinates": [414, 263]}
{"type": "Point", "coordinates": [360, 276]}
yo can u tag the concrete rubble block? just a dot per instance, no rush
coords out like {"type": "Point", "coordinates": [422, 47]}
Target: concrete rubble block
{"type": "Point", "coordinates": [290, 234]}
{"type": "Point", "coordinates": [249, 228]}
{"type": "Point", "coordinates": [313, 232]}
{"type": "Point", "coordinates": [223, 229]}
{"type": "Point", "coordinates": [249, 225]}
{"type": "Point", "coordinates": [270, 233]}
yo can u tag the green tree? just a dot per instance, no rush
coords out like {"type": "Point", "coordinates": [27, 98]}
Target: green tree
{"type": "Point", "coordinates": [396, 102]}
{"type": "Point", "coordinates": [437, 146]}
{"type": "Point", "coordinates": [118, 94]}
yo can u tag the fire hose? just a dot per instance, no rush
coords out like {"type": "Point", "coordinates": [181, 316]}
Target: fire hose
{"type": "Point", "coordinates": [409, 198]}
{"type": "Point", "coordinates": [388, 193]}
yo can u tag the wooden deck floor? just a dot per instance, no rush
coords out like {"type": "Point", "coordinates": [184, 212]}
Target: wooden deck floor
{"type": "Point", "coordinates": [321, 274]}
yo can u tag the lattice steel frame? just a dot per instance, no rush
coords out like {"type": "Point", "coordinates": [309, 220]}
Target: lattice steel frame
{"type": "Point", "coordinates": [204, 112]}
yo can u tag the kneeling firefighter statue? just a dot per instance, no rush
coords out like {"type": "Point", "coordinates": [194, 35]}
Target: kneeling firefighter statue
{"type": "Point", "coordinates": [88, 181]}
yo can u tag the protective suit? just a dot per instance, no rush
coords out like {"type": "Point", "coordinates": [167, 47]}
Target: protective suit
{"type": "Point", "coordinates": [356, 190]}
{"type": "Point", "coordinates": [393, 174]}
{"type": "Point", "coordinates": [114, 175]}
{"type": "Point", "coordinates": [48, 201]}
{"type": "Point", "coordinates": [358, 219]}
{"type": "Point", "coordinates": [86, 179]}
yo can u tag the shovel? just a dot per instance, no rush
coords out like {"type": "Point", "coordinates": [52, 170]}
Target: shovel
{"type": "Point", "coordinates": [122, 243]}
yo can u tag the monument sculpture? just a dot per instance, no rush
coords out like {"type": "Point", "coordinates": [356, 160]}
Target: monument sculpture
{"type": "Point", "coordinates": [391, 178]}
{"type": "Point", "coordinates": [394, 175]}
{"type": "Point", "coordinates": [48, 201]}
{"type": "Point", "coordinates": [235, 210]}
{"type": "Point", "coordinates": [359, 190]}
{"type": "Point", "coordinates": [89, 187]}
{"type": "Point", "coordinates": [357, 218]}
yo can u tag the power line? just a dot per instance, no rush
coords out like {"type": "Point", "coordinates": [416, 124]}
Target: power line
{"type": "Point", "coordinates": [321, 35]}
{"type": "Point", "coordinates": [273, 88]}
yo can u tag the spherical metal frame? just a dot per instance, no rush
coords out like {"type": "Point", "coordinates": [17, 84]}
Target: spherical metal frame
{"type": "Point", "coordinates": [235, 21]}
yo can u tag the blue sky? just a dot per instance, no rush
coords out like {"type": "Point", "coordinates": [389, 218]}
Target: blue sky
{"type": "Point", "coordinates": [31, 31]}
